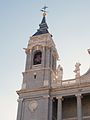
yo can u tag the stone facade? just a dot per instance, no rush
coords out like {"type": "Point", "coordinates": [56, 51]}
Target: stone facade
{"type": "Point", "coordinates": [44, 95]}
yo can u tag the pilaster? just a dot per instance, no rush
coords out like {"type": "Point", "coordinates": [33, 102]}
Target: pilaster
{"type": "Point", "coordinates": [28, 59]}
{"type": "Point", "coordinates": [19, 115]}
{"type": "Point", "coordinates": [50, 108]}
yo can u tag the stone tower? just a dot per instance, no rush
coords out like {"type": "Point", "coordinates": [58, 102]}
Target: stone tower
{"type": "Point", "coordinates": [44, 95]}
{"type": "Point", "coordinates": [34, 101]}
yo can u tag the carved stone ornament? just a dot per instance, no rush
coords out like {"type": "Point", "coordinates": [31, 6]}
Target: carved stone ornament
{"type": "Point", "coordinates": [41, 40]}
{"type": "Point", "coordinates": [33, 105]}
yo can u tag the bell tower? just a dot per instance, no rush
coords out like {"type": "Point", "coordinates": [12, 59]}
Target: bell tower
{"type": "Point", "coordinates": [40, 70]}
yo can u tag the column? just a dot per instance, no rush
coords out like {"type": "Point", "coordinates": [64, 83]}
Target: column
{"type": "Point", "coordinates": [43, 57]}
{"type": "Point", "coordinates": [19, 114]}
{"type": "Point", "coordinates": [59, 110]}
{"type": "Point", "coordinates": [30, 59]}
{"type": "Point", "coordinates": [79, 107]}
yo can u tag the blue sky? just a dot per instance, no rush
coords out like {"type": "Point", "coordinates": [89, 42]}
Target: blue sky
{"type": "Point", "coordinates": [69, 23]}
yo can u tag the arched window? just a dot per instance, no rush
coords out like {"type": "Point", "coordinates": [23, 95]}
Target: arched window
{"type": "Point", "coordinates": [37, 57]}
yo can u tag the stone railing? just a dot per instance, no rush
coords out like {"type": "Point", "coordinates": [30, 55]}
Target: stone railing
{"type": "Point", "coordinates": [70, 82]}
{"type": "Point", "coordinates": [63, 83]}
{"type": "Point", "coordinates": [84, 79]}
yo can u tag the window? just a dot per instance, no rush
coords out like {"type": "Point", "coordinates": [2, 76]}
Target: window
{"type": "Point", "coordinates": [35, 76]}
{"type": "Point", "coordinates": [37, 58]}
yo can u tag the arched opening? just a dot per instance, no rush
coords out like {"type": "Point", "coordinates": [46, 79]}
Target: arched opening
{"type": "Point", "coordinates": [37, 57]}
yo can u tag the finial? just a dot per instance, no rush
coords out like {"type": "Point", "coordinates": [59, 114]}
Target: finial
{"type": "Point", "coordinates": [77, 69]}
{"type": "Point", "coordinates": [59, 72]}
{"type": "Point", "coordinates": [44, 10]}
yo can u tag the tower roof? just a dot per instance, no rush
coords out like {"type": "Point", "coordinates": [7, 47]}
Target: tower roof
{"type": "Point", "coordinates": [43, 27]}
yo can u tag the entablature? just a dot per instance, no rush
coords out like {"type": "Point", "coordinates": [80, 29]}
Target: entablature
{"type": "Point", "coordinates": [71, 90]}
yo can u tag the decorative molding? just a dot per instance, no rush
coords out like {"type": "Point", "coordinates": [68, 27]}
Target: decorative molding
{"type": "Point", "coordinates": [37, 68]}
{"type": "Point", "coordinates": [42, 40]}
{"type": "Point", "coordinates": [60, 97]}
{"type": "Point", "coordinates": [20, 100]}
{"type": "Point", "coordinates": [27, 51]}
{"type": "Point", "coordinates": [33, 90]}
{"type": "Point", "coordinates": [33, 105]}
{"type": "Point", "coordinates": [78, 95]}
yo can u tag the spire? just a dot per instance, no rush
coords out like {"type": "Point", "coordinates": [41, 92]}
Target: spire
{"type": "Point", "coordinates": [43, 28]}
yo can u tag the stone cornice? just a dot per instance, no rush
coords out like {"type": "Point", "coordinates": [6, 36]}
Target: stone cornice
{"type": "Point", "coordinates": [37, 69]}
{"type": "Point", "coordinates": [42, 89]}
{"type": "Point", "coordinates": [81, 87]}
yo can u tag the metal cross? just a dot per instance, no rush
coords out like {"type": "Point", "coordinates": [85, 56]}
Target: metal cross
{"type": "Point", "coordinates": [44, 9]}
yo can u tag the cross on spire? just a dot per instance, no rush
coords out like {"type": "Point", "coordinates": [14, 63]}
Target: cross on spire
{"type": "Point", "coordinates": [43, 27]}
{"type": "Point", "coordinates": [44, 10]}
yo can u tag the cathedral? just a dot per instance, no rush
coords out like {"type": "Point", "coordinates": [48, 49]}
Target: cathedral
{"type": "Point", "coordinates": [44, 94]}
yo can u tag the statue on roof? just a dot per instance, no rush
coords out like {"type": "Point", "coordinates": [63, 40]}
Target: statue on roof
{"type": "Point", "coordinates": [59, 73]}
{"type": "Point", "coordinates": [77, 70]}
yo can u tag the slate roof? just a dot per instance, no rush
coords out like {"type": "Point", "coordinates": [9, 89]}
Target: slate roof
{"type": "Point", "coordinates": [43, 27]}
